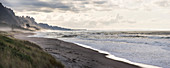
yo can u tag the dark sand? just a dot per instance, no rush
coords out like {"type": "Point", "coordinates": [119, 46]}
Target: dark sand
{"type": "Point", "coordinates": [74, 56]}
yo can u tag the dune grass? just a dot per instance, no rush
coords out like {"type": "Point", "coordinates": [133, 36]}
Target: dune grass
{"type": "Point", "coordinates": [23, 54]}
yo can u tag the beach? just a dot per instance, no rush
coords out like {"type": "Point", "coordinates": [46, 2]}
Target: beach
{"type": "Point", "coordinates": [72, 55]}
{"type": "Point", "coordinates": [84, 34]}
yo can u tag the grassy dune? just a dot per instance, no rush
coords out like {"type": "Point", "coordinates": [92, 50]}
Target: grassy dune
{"type": "Point", "coordinates": [23, 54]}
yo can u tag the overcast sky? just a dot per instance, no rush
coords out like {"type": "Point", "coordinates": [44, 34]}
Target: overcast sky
{"type": "Point", "coordinates": [96, 14]}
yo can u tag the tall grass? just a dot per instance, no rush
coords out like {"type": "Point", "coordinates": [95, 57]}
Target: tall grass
{"type": "Point", "coordinates": [23, 54]}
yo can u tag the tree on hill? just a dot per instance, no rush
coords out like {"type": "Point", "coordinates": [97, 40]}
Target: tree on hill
{"type": "Point", "coordinates": [28, 26]}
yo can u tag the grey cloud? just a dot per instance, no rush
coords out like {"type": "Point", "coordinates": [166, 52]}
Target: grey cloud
{"type": "Point", "coordinates": [46, 11]}
{"type": "Point", "coordinates": [40, 4]}
{"type": "Point", "coordinates": [70, 5]}
{"type": "Point", "coordinates": [100, 2]}
{"type": "Point", "coordinates": [5, 2]}
{"type": "Point", "coordinates": [35, 9]}
{"type": "Point", "coordinates": [85, 2]}
{"type": "Point", "coordinates": [36, 4]}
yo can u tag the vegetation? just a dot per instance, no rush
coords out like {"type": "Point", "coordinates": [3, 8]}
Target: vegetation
{"type": "Point", "coordinates": [23, 54]}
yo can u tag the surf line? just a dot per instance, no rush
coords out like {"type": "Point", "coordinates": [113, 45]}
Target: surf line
{"type": "Point", "coordinates": [108, 55]}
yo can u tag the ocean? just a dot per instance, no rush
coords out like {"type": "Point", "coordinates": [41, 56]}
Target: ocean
{"type": "Point", "coordinates": [146, 49]}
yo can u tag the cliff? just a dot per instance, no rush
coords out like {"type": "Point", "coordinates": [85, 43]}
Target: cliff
{"type": "Point", "coordinates": [8, 17]}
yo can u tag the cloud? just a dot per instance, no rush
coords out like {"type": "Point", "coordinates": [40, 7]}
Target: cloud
{"type": "Point", "coordinates": [36, 4]}
{"type": "Point", "coordinates": [84, 5]}
{"type": "Point", "coordinates": [70, 5]}
{"type": "Point", "coordinates": [88, 20]}
{"type": "Point", "coordinates": [39, 10]}
{"type": "Point", "coordinates": [40, 4]}
{"type": "Point", "coordinates": [100, 2]}
{"type": "Point", "coordinates": [163, 3]}
{"type": "Point", "coordinates": [93, 13]}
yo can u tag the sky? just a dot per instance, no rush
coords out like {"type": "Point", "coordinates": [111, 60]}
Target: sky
{"type": "Point", "coordinates": [97, 14]}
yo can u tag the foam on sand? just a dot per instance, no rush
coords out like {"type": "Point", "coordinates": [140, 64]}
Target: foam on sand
{"type": "Point", "coordinates": [117, 58]}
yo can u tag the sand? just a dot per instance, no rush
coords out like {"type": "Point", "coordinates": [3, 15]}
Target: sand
{"type": "Point", "coordinates": [72, 55]}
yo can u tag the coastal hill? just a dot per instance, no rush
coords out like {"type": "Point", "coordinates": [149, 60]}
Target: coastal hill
{"type": "Point", "coordinates": [8, 18]}
{"type": "Point", "coordinates": [15, 53]}
{"type": "Point", "coordinates": [46, 26]}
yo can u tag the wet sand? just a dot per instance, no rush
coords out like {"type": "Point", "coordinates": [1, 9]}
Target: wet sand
{"type": "Point", "coordinates": [74, 56]}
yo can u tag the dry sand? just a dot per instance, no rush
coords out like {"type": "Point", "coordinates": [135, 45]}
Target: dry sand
{"type": "Point", "coordinates": [74, 56]}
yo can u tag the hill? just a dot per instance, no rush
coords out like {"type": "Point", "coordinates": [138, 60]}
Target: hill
{"type": "Point", "coordinates": [8, 17]}
{"type": "Point", "coordinates": [16, 53]}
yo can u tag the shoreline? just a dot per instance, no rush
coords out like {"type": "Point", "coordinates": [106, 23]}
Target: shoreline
{"type": "Point", "coordinates": [75, 56]}
{"type": "Point", "coordinates": [110, 56]}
